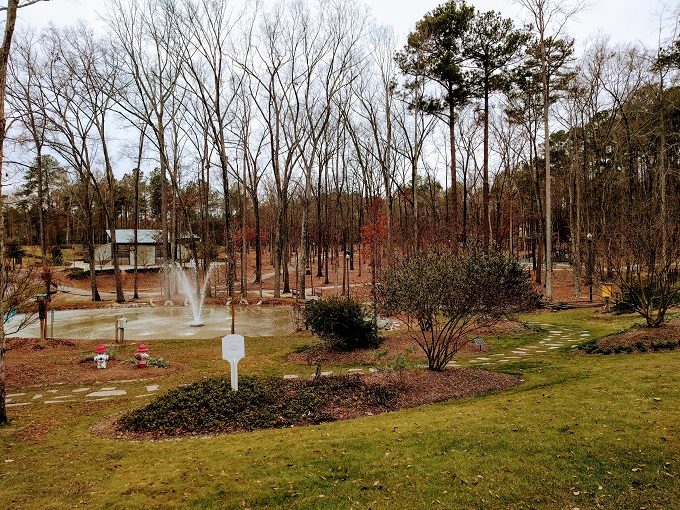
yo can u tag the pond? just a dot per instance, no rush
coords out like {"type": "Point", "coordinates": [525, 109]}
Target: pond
{"type": "Point", "coordinates": [162, 323]}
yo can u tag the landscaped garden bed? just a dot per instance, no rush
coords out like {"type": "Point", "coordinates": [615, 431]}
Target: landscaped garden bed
{"type": "Point", "coordinates": [636, 339]}
{"type": "Point", "coordinates": [210, 406]}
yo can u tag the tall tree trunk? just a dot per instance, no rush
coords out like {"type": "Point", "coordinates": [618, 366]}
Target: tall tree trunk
{"type": "Point", "coordinates": [548, 180]}
{"type": "Point", "coordinates": [164, 210]}
{"type": "Point", "coordinates": [10, 21]}
{"type": "Point", "coordinates": [454, 180]}
{"type": "Point", "coordinates": [228, 240]}
{"type": "Point", "coordinates": [135, 294]}
{"type": "Point", "coordinates": [486, 220]}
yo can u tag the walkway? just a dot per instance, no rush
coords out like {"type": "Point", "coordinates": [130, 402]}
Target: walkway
{"type": "Point", "coordinates": [49, 394]}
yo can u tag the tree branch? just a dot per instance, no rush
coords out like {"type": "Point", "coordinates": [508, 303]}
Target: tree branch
{"type": "Point", "coordinates": [25, 3]}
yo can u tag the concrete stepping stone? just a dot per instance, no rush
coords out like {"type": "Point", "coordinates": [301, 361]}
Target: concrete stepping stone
{"type": "Point", "coordinates": [57, 401]}
{"type": "Point", "coordinates": [355, 370]}
{"type": "Point", "coordinates": [12, 395]}
{"type": "Point", "coordinates": [37, 396]}
{"type": "Point", "coordinates": [541, 351]}
{"type": "Point", "coordinates": [554, 347]}
{"type": "Point", "coordinates": [290, 376]}
{"type": "Point", "coordinates": [487, 363]}
{"type": "Point", "coordinates": [17, 404]}
{"type": "Point", "coordinates": [52, 391]}
{"type": "Point", "coordinates": [81, 390]}
{"type": "Point", "coordinates": [144, 395]}
{"type": "Point", "coordinates": [62, 396]}
{"type": "Point", "coordinates": [498, 354]}
{"type": "Point", "coordinates": [484, 359]}
{"type": "Point", "coordinates": [554, 332]}
{"type": "Point", "coordinates": [107, 392]}
{"type": "Point", "coordinates": [522, 353]}
{"type": "Point", "coordinates": [326, 374]}
{"type": "Point", "coordinates": [371, 370]}
{"type": "Point", "coordinates": [514, 357]}
{"type": "Point", "coordinates": [152, 387]}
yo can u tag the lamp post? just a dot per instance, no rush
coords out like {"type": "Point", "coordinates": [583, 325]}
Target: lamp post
{"type": "Point", "coordinates": [589, 237]}
{"type": "Point", "coordinates": [347, 266]}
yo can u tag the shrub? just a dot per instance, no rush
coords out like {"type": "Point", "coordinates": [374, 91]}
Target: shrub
{"type": "Point", "coordinates": [641, 346]}
{"type": "Point", "coordinates": [211, 406]}
{"type": "Point", "coordinates": [342, 323]}
{"type": "Point", "coordinates": [589, 346]}
{"type": "Point", "coordinates": [448, 297]}
{"type": "Point", "coordinates": [57, 256]}
{"type": "Point", "coordinates": [158, 362]}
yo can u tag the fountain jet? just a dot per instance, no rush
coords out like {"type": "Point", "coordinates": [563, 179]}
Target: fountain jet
{"type": "Point", "coordinates": [192, 291]}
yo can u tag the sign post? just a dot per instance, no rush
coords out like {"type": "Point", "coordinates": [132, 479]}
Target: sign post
{"type": "Point", "coordinates": [233, 350]}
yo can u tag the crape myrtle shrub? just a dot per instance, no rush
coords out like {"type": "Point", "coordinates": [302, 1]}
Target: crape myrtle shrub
{"type": "Point", "coordinates": [446, 297]}
{"type": "Point", "coordinates": [342, 323]}
{"type": "Point", "coordinates": [211, 406]}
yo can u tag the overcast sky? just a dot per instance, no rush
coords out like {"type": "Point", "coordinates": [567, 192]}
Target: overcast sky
{"type": "Point", "coordinates": [622, 20]}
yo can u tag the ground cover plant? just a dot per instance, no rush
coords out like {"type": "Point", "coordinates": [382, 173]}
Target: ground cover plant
{"type": "Point", "coordinates": [211, 406]}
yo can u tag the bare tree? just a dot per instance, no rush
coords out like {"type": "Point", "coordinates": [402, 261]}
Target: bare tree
{"type": "Point", "coordinates": [10, 23]}
{"type": "Point", "coordinates": [147, 38]}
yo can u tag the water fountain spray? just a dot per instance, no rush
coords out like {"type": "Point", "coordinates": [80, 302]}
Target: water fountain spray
{"type": "Point", "coordinates": [192, 291]}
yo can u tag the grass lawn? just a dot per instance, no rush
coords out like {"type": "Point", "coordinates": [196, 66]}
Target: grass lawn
{"type": "Point", "coordinates": [580, 432]}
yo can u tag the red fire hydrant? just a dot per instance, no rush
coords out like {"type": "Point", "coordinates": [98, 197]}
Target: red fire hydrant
{"type": "Point", "coordinates": [141, 356]}
{"type": "Point", "coordinates": [101, 356]}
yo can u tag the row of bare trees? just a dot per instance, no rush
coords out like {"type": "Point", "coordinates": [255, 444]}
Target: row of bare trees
{"type": "Point", "coordinates": [298, 123]}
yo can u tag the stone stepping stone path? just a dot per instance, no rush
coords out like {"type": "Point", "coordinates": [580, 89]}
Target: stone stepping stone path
{"type": "Point", "coordinates": [66, 395]}
{"type": "Point", "coordinates": [556, 339]}
{"type": "Point", "coordinates": [558, 336]}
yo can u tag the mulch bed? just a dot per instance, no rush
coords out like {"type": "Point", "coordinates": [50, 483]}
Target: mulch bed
{"type": "Point", "coordinates": [343, 397]}
{"type": "Point", "coordinates": [669, 331]}
{"type": "Point", "coordinates": [398, 343]}
{"type": "Point", "coordinates": [420, 387]}
{"type": "Point", "coordinates": [29, 363]}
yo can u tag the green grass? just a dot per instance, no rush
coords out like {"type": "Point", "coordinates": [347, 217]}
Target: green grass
{"type": "Point", "coordinates": [579, 432]}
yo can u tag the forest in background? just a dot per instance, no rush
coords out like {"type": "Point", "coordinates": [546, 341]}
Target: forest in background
{"type": "Point", "coordinates": [304, 132]}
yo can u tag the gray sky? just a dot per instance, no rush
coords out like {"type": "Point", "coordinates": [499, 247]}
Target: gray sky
{"type": "Point", "coordinates": [622, 20]}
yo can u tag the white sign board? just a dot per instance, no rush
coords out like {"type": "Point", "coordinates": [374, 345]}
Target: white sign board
{"type": "Point", "coordinates": [233, 350]}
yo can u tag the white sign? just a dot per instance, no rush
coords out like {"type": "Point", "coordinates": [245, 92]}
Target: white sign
{"type": "Point", "coordinates": [233, 350]}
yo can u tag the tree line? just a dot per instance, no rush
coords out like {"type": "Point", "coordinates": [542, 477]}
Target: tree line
{"type": "Point", "coordinates": [309, 131]}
